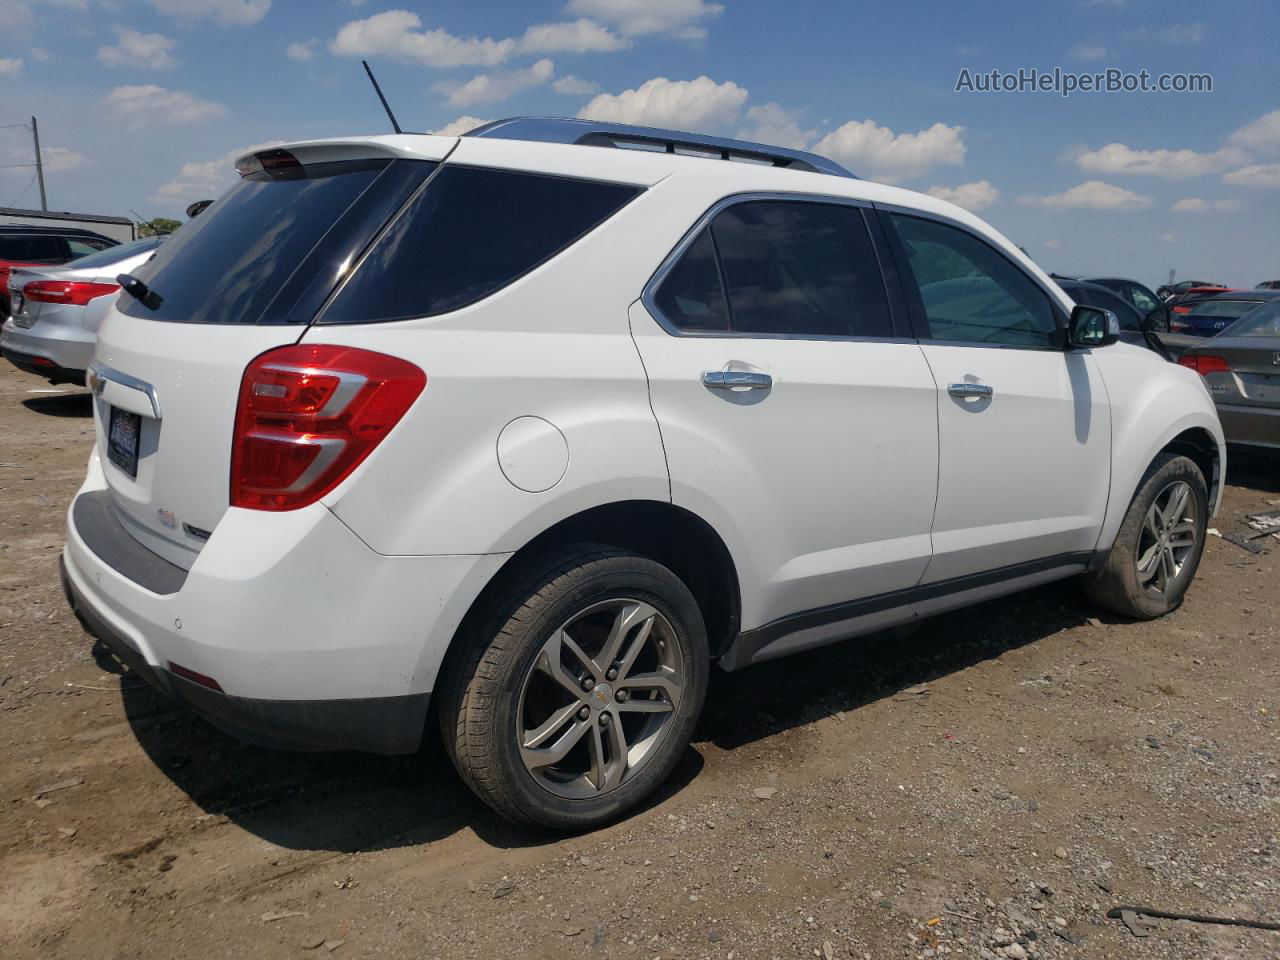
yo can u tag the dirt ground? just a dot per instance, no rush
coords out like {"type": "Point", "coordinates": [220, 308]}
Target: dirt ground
{"type": "Point", "coordinates": [987, 783]}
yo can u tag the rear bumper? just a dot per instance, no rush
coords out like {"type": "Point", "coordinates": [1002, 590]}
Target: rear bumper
{"type": "Point", "coordinates": [389, 725]}
{"type": "Point", "coordinates": [62, 358]}
{"type": "Point", "coordinates": [1253, 426]}
{"type": "Point", "coordinates": [316, 641]}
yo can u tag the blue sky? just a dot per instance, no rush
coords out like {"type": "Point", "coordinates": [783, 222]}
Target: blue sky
{"type": "Point", "coordinates": [142, 103]}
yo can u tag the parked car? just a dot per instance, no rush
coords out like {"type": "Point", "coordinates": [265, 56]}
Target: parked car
{"type": "Point", "coordinates": [1209, 316]}
{"type": "Point", "coordinates": [1137, 295]}
{"type": "Point", "coordinates": [1170, 290]}
{"type": "Point", "coordinates": [1241, 368]}
{"type": "Point", "coordinates": [526, 430]}
{"type": "Point", "coordinates": [1269, 285]}
{"type": "Point", "coordinates": [56, 311]}
{"type": "Point", "coordinates": [1095, 295]}
{"type": "Point", "coordinates": [23, 246]}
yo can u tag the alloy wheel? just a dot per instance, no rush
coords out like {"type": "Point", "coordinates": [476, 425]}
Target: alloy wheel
{"type": "Point", "coordinates": [1168, 536]}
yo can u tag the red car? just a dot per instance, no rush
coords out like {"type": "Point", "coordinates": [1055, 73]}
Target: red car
{"type": "Point", "coordinates": [23, 246]}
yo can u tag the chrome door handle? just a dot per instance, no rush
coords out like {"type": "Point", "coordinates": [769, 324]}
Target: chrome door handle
{"type": "Point", "coordinates": [728, 379]}
{"type": "Point", "coordinates": [970, 391]}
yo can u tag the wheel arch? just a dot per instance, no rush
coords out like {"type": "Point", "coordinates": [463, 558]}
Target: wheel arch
{"type": "Point", "coordinates": [673, 536]}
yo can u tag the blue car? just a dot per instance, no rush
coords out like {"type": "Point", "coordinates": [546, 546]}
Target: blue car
{"type": "Point", "coordinates": [1209, 316]}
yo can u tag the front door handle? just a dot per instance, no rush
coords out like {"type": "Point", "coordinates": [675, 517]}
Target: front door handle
{"type": "Point", "coordinates": [728, 379]}
{"type": "Point", "coordinates": [970, 391]}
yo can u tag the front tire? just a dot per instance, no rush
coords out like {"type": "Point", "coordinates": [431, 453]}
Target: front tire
{"type": "Point", "coordinates": [580, 691]}
{"type": "Point", "coordinates": [1160, 542]}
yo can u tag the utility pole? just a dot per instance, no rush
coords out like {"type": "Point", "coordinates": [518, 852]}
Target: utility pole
{"type": "Point", "coordinates": [35, 136]}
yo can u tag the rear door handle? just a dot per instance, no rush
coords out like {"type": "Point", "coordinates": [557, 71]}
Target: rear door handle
{"type": "Point", "coordinates": [728, 379]}
{"type": "Point", "coordinates": [970, 391]}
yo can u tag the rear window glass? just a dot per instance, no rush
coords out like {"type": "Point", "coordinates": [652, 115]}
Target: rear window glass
{"type": "Point", "coordinates": [691, 297]}
{"type": "Point", "coordinates": [1224, 308]}
{"type": "Point", "coordinates": [229, 264]}
{"type": "Point", "coordinates": [32, 248]}
{"type": "Point", "coordinates": [467, 234]}
{"type": "Point", "coordinates": [104, 258]}
{"type": "Point", "coordinates": [1263, 322]}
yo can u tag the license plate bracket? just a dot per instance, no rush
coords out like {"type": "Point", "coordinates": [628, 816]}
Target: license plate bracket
{"type": "Point", "coordinates": [123, 430]}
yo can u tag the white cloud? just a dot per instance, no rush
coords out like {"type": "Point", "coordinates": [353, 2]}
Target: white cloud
{"type": "Point", "coordinates": [1199, 205]}
{"type": "Point", "coordinates": [578, 36]}
{"type": "Point", "coordinates": [972, 196]}
{"type": "Point", "coordinates": [19, 160]}
{"type": "Point", "coordinates": [1262, 135]}
{"type": "Point", "coordinates": [1089, 51]}
{"type": "Point", "coordinates": [1168, 237]}
{"type": "Point", "coordinates": [686, 104]}
{"type": "Point", "coordinates": [771, 123]}
{"type": "Point", "coordinates": [456, 128]}
{"type": "Point", "coordinates": [303, 50]}
{"type": "Point", "coordinates": [204, 181]}
{"type": "Point", "coordinates": [1116, 158]}
{"type": "Point", "coordinates": [1091, 195]}
{"type": "Point", "coordinates": [230, 13]}
{"type": "Point", "coordinates": [39, 53]}
{"type": "Point", "coordinates": [1256, 175]}
{"type": "Point", "coordinates": [139, 105]}
{"type": "Point", "coordinates": [492, 87]}
{"type": "Point", "coordinates": [634, 18]}
{"type": "Point", "coordinates": [1053, 244]}
{"type": "Point", "coordinates": [144, 51]}
{"type": "Point", "coordinates": [398, 33]}
{"type": "Point", "coordinates": [9, 66]}
{"type": "Point", "coordinates": [872, 150]}
{"type": "Point", "coordinates": [574, 86]}
{"type": "Point", "coordinates": [1182, 34]}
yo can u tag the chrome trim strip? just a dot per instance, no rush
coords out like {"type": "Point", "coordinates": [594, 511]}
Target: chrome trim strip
{"type": "Point", "coordinates": [100, 373]}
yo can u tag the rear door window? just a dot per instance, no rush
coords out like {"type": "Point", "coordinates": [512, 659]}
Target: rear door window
{"type": "Point", "coordinates": [273, 241]}
{"type": "Point", "coordinates": [32, 248]}
{"type": "Point", "coordinates": [801, 269]}
{"type": "Point", "coordinates": [692, 296]}
{"type": "Point", "coordinates": [82, 246]}
{"type": "Point", "coordinates": [470, 232]}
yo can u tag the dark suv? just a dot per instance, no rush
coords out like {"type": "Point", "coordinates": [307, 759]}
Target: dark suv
{"type": "Point", "coordinates": [24, 246]}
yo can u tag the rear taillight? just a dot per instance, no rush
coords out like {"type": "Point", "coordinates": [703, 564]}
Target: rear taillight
{"type": "Point", "coordinates": [67, 291]}
{"type": "Point", "coordinates": [1206, 364]}
{"type": "Point", "coordinates": [1181, 309]}
{"type": "Point", "coordinates": [308, 415]}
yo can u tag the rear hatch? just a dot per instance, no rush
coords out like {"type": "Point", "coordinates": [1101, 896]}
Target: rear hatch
{"type": "Point", "coordinates": [244, 277]}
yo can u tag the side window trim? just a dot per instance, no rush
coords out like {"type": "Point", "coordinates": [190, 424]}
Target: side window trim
{"type": "Point", "coordinates": [649, 295]}
{"type": "Point", "coordinates": [915, 306]}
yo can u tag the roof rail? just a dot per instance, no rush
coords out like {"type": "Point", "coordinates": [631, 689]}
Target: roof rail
{"type": "Point", "coordinates": [599, 134]}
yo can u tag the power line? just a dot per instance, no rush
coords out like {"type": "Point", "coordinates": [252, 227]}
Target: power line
{"type": "Point", "coordinates": [14, 203]}
{"type": "Point", "coordinates": [10, 126]}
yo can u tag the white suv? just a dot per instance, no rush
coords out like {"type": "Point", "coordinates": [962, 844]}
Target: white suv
{"type": "Point", "coordinates": [529, 428]}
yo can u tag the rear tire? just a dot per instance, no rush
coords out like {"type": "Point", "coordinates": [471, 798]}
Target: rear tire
{"type": "Point", "coordinates": [1160, 542]}
{"type": "Point", "coordinates": [577, 694]}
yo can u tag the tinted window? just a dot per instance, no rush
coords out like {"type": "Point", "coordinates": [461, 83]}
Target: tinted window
{"type": "Point", "coordinates": [1263, 322]}
{"type": "Point", "coordinates": [1231, 309]}
{"type": "Point", "coordinates": [691, 296]}
{"type": "Point", "coordinates": [82, 246]}
{"type": "Point", "coordinates": [1141, 298]}
{"type": "Point", "coordinates": [105, 258]}
{"type": "Point", "coordinates": [971, 293]}
{"type": "Point", "coordinates": [229, 264]}
{"type": "Point", "coordinates": [801, 269]}
{"type": "Point", "coordinates": [32, 248]}
{"type": "Point", "coordinates": [467, 234]}
{"type": "Point", "coordinates": [1128, 317]}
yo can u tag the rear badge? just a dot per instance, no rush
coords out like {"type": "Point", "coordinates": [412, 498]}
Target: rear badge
{"type": "Point", "coordinates": [168, 519]}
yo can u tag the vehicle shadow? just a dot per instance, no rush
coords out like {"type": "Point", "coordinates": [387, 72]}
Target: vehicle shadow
{"type": "Point", "coordinates": [1255, 467]}
{"type": "Point", "coordinates": [351, 802]}
{"type": "Point", "coordinates": [62, 405]}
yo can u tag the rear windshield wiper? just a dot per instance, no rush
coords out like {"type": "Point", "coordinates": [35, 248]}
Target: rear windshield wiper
{"type": "Point", "coordinates": [139, 291]}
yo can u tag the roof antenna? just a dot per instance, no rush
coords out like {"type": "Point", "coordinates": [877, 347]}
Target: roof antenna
{"type": "Point", "coordinates": [378, 90]}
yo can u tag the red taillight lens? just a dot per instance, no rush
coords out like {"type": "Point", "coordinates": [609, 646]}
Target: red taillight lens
{"type": "Point", "coordinates": [1181, 309]}
{"type": "Point", "coordinates": [308, 415]}
{"type": "Point", "coordinates": [1205, 364]}
{"type": "Point", "coordinates": [66, 291]}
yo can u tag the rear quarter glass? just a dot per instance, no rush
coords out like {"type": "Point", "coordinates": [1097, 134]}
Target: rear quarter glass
{"type": "Point", "coordinates": [271, 249]}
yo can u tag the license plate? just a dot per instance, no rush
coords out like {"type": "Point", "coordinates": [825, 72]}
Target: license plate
{"type": "Point", "coordinates": [123, 431]}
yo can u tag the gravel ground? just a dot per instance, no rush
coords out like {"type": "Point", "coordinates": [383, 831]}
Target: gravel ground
{"type": "Point", "coordinates": [985, 784]}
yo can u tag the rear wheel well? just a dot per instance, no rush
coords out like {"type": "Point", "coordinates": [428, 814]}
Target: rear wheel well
{"type": "Point", "coordinates": [1198, 446]}
{"type": "Point", "coordinates": [679, 540]}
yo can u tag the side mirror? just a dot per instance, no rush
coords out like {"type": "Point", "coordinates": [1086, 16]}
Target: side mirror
{"type": "Point", "coordinates": [1093, 327]}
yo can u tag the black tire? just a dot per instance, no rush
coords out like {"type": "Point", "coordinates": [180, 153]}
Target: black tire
{"type": "Point", "coordinates": [481, 689]}
{"type": "Point", "coordinates": [1117, 586]}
